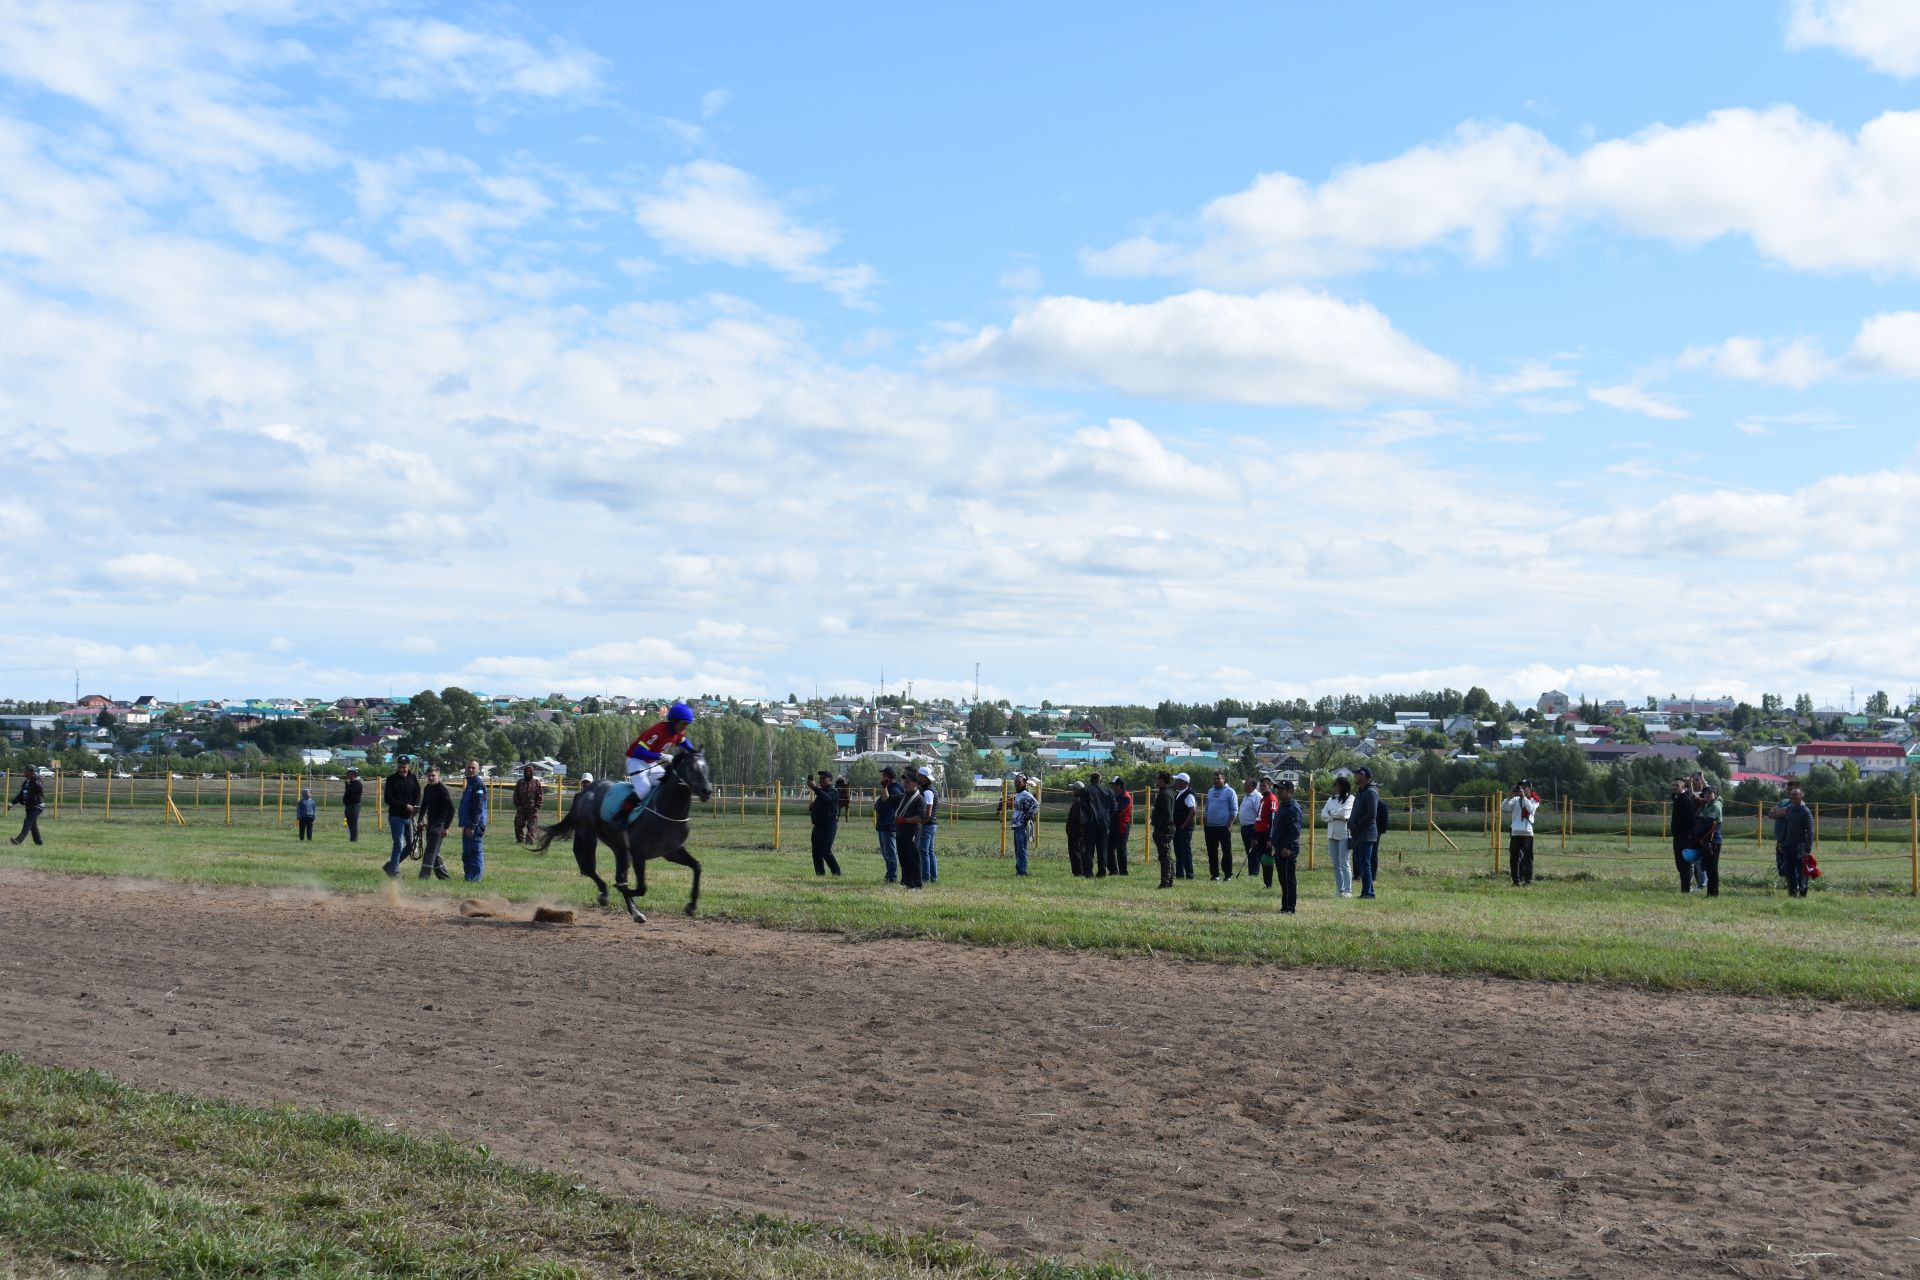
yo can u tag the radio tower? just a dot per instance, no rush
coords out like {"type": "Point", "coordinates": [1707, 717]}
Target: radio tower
{"type": "Point", "coordinates": [976, 684]}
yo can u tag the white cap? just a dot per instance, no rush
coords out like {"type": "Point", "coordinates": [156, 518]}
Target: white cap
{"type": "Point", "coordinates": [926, 773]}
{"type": "Point", "coordinates": [585, 778]}
{"type": "Point", "coordinates": [1181, 777]}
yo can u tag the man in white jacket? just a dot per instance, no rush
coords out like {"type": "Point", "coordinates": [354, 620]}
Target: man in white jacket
{"type": "Point", "coordinates": [1520, 807]}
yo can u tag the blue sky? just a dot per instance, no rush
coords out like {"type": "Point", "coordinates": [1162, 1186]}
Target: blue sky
{"type": "Point", "coordinates": [1258, 350]}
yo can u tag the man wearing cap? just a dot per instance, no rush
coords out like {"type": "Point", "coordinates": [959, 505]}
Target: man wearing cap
{"type": "Point", "coordinates": [906, 823]}
{"type": "Point", "coordinates": [886, 803]}
{"type": "Point", "coordinates": [1186, 816]}
{"type": "Point", "coordinates": [1222, 805]}
{"type": "Point", "coordinates": [1251, 801]}
{"type": "Point", "coordinates": [1020, 818]}
{"type": "Point", "coordinates": [1363, 828]}
{"type": "Point", "coordinates": [1077, 827]}
{"type": "Point", "coordinates": [1160, 824]}
{"type": "Point", "coordinates": [350, 798]}
{"type": "Point", "coordinates": [1282, 848]}
{"type": "Point", "coordinates": [929, 826]}
{"type": "Point", "coordinates": [825, 812]}
{"type": "Point", "coordinates": [1122, 826]}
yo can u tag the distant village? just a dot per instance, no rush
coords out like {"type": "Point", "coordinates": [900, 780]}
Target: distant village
{"type": "Point", "coordinates": [974, 745]}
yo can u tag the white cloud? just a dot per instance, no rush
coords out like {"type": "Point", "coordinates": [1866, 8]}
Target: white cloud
{"type": "Point", "coordinates": [1632, 399]}
{"type": "Point", "coordinates": [1884, 33]}
{"type": "Point", "coordinates": [1804, 193]}
{"type": "Point", "coordinates": [713, 102]}
{"type": "Point", "coordinates": [1868, 524]}
{"type": "Point", "coordinates": [1529, 377]}
{"type": "Point", "coordinates": [150, 570]}
{"type": "Point", "coordinates": [1889, 344]}
{"type": "Point", "coordinates": [1022, 278]}
{"type": "Point", "coordinates": [417, 58]}
{"type": "Point", "coordinates": [1285, 346]}
{"type": "Point", "coordinates": [709, 211]}
{"type": "Point", "coordinates": [1796, 363]}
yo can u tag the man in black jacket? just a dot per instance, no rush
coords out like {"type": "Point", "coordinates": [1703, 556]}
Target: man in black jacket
{"type": "Point", "coordinates": [1685, 809]}
{"type": "Point", "coordinates": [825, 812]}
{"type": "Point", "coordinates": [1363, 828]}
{"type": "Point", "coordinates": [350, 800]}
{"type": "Point", "coordinates": [33, 799]}
{"type": "Point", "coordinates": [1160, 825]}
{"type": "Point", "coordinates": [1096, 833]}
{"type": "Point", "coordinates": [401, 795]}
{"type": "Point", "coordinates": [436, 816]}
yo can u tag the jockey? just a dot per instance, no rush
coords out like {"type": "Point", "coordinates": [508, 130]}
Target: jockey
{"type": "Point", "coordinates": [644, 769]}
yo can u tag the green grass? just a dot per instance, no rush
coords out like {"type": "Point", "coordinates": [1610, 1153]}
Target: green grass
{"type": "Point", "coordinates": [1596, 913]}
{"type": "Point", "coordinates": [100, 1178]}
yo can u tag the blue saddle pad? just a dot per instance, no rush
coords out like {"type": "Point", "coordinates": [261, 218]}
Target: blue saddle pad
{"type": "Point", "coordinates": [611, 803]}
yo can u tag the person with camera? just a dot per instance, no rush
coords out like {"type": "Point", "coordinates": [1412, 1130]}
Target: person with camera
{"type": "Point", "coordinates": [1520, 807]}
{"type": "Point", "coordinates": [32, 799]}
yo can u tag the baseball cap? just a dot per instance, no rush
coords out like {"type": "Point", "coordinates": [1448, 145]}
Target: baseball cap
{"type": "Point", "coordinates": [1363, 769]}
{"type": "Point", "coordinates": [1181, 777]}
{"type": "Point", "coordinates": [1116, 780]}
{"type": "Point", "coordinates": [926, 773]}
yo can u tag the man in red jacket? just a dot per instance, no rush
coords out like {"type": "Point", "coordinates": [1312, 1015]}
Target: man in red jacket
{"type": "Point", "coordinates": [1116, 853]}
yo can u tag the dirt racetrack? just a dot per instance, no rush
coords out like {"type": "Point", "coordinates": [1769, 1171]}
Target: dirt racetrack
{"type": "Point", "coordinates": [1202, 1119]}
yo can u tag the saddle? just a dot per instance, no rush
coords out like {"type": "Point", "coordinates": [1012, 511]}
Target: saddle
{"type": "Point", "coordinates": [618, 796]}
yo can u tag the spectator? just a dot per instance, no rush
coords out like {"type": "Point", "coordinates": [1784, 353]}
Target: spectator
{"type": "Point", "coordinates": [1363, 825]}
{"type": "Point", "coordinates": [824, 809]}
{"type": "Point", "coordinates": [1796, 840]}
{"type": "Point", "coordinates": [1265, 803]}
{"type": "Point", "coordinates": [1121, 828]}
{"type": "Point", "coordinates": [401, 794]}
{"type": "Point", "coordinates": [1095, 837]}
{"type": "Point", "coordinates": [1020, 818]}
{"type": "Point", "coordinates": [304, 813]}
{"type": "Point", "coordinates": [350, 798]}
{"type": "Point", "coordinates": [907, 821]}
{"type": "Point", "coordinates": [1249, 819]}
{"type": "Point", "coordinates": [1706, 841]}
{"type": "Point", "coordinates": [1336, 811]}
{"type": "Point", "coordinates": [845, 793]}
{"type": "Point", "coordinates": [473, 823]}
{"type": "Point", "coordinates": [32, 799]}
{"type": "Point", "coordinates": [436, 816]}
{"type": "Point", "coordinates": [1160, 824]}
{"type": "Point", "coordinates": [929, 827]}
{"type": "Point", "coordinates": [1684, 809]}
{"type": "Point", "coordinates": [1186, 815]}
{"type": "Point", "coordinates": [1077, 829]}
{"type": "Point", "coordinates": [527, 795]}
{"type": "Point", "coordinates": [1222, 804]}
{"type": "Point", "coordinates": [886, 803]}
{"type": "Point", "coordinates": [1520, 808]}
{"type": "Point", "coordinates": [1284, 857]}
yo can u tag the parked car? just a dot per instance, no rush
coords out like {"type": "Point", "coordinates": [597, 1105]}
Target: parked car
{"type": "Point", "coordinates": [88, 773]}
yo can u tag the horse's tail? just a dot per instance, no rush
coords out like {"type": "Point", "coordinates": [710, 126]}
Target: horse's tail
{"type": "Point", "coordinates": [554, 832]}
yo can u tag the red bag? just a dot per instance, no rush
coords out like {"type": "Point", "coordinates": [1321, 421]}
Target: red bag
{"type": "Point", "coordinates": [1811, 867]}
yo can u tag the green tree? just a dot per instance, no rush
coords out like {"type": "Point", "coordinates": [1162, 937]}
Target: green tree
{"type": "Point", "coordinates": [1803, 704]}
{"type": "Point", "coordinates": [1877, 704]}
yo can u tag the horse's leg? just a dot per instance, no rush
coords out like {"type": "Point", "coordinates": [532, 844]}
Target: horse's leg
{"type": "Point", "coordinates": [583, 846]}
{"type": "Point", "coordinates": [680, 857]}
{"type": "Point", "coordinates": [632, 910]}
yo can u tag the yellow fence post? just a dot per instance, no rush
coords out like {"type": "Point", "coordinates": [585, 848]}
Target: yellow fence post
{"type": "Point", "coordinates": [280, 802]}
{"type": "Point", "coordinates": [1429, 821]}
{"type": "Point", "coordinates": [83, 795]}
{"type": "Point", "coordinates": [130, 782]}
{"type": "Point", "coordinates": [1493, 833]}
{"type": "Point", "coordinates": [229, 799]}
{"type": "Point", "coordinates": [1566, 820]}
{"type": "Point", "coordinates": [109, 813]}
{"type": "Point", "coordinates": [1816, 825]}
{"type": "Point", "coordinates": [776, 817]}
{"type": "Point", "coordinates": [58, 778]}
{"type": "Point", "coordinates": [1913, 839]}
{"type": "Point", "coordinates": [263, 793]}
{"type": "Point", "coordinates": [1630, 821]}
{"type": "Point", "coordinates": [1759, 820]}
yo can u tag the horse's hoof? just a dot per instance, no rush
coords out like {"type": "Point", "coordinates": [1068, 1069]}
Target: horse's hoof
{"type": "Point", "coordinates": [603, 899]}
{"type": "Point", "coordinates": [639, 917]}
{"type": "Point", "coordinates": [689, 911]}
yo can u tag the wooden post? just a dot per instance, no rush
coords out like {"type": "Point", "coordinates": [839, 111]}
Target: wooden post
{"type": "Point", "coordinates": [229, 799]}
{"type": "Point", "coordinates": [196, 792]}
{"type": "Point", "coordinates": [1429, 820]}
{"type": "Point", "coordinates": [83, 796]}
{"type": "Point", "coordinates": [1630, 819]}
{"type": "Point", "coordinates": [58, 779]}
{"type": "Point", "coordinates": [1493, 833]}
{"type": "Point", "coordinates": [280, 802]}
{"type": "Point", "coordinates": [1866, 825]}
{"type": "Point", "coordinates": [1913, 839]}
{"type": "Point", "coordinates": [1759, 820]}
{"type": "Point", "coordinates": [1566, 820]}
{"type": "Point", "coordinates": [1003, 819]}
{"type": "Point", "coordinates": [1313, 818]}
{"type": "Point", "coordinates": [1848, 838]}
{"type": "Point", "coordinates": [109, 812]}
{"type": "Point", "coordinates": [263, 793]}
{"type": "Point", "coordinates": [776, 817]}
{"type": "Point", "coordinates": [1816, 826]}
{"type": "Point", "coordinates": [130, 782]}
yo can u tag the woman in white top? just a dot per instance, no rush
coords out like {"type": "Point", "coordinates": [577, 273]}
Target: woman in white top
{"type": "Point", "coordinates": [1336, 811]}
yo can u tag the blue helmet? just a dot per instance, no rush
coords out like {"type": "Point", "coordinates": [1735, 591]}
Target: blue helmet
{"type": "Point", "coordinates": [680, 711]}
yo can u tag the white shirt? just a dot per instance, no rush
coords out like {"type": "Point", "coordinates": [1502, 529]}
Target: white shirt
{"type": "Point", "coordinates": [1249, 808]}
{"type": "Point", "coordinates": [1336, 811]}
{"type": "Point", "coordinates": [1522, 808]}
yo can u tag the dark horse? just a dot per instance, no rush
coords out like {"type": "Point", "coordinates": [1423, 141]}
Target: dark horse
{"type": "Point", "coordinates": [658, 831]}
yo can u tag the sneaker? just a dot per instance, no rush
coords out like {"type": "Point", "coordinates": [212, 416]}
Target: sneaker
{"type": "Point", "coordinates": [1346, 893]}
{"type": "Point", "coordinates": [1366, 895]}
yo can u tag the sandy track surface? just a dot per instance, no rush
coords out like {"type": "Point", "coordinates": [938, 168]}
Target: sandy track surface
{"type": "Point", "coordinates": [1203, 1119]}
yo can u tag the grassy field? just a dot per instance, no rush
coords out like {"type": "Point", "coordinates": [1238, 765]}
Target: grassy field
{"type": "Point", "coordinates": [99, 1178]}
{"type": "Point", "coordinates": [1600, 914]}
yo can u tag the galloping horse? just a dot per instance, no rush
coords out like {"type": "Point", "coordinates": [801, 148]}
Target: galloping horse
{"type": "Point", "coordinates": [659, 830]}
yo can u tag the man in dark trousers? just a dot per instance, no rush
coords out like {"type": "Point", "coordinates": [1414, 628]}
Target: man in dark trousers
{"type": "Point", "coordinates": [401, 794]}
{"type": "Point", "coordinates": [527, 795]}
{"type": "Point", "coordinates": [350, 799]}
{"type": "Point", "coordinates": [1186, 816]}
{"type": "Point", "coordinates": [1099, 823]}
{"type": "Point", "coordinates": [32, 798]}
{"type": "Point", "coordinates": [1121, 827]}
{"type": "Point", "coordinates": [886, 803]}
{"type": "Point", "coordinates": [1796, 840]}
{"type": "Point", "coordinates": [1282, 846]}
{"type": "Point", "coordinates": [907, 821]}
{"type": "Point", "coordinates": [825, 812]}
{"type": "Point", "coordinates": [1685, 809]}
{"type": "Point", "coordinates": [1160, 826]}
{"type": "Point", "coordinates": [1077, 829]}
{"type": "Point", "coordinates": [1363, 828]}
{"type": "Point", "coordinates": [436, 816]}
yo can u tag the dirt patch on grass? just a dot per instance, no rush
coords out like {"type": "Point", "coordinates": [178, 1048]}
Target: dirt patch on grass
{"type": "Point", "coordinates": [1204, 1119]}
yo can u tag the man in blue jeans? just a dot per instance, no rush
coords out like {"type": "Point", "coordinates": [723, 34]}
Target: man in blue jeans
{"type": "Point", "coordinates": [1020, 818]}
{"type": "Point", "coordinates": [473, 822]}
{"type": "Point", "coordinates": [401, 795]}
{"type": "Point", "coordinates": [1363, 828]}
{"type": "Point", "coordinates": [885, 806]}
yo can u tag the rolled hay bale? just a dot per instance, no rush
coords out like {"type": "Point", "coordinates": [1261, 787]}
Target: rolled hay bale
{"type": "Point", "coordinates": [476, 909]}
{"type": "Point", "coordinates": [552, 915]}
